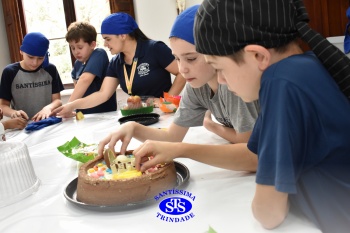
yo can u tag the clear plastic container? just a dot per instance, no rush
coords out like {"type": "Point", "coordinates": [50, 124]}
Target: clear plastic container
{"type": "Point", "coordinates": [17, 177]}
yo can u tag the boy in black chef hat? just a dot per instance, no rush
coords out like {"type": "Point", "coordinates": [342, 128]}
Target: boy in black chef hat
{"type": "Point", "coordinates": [301, 136]}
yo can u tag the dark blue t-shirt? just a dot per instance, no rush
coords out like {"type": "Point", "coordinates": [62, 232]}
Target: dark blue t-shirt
{"type": "Point", "coordinates": [97, 65]}
{"type": "Point", "coordinates": [302, 139]}
{"type": "Point", "coordinates": [151, 77]}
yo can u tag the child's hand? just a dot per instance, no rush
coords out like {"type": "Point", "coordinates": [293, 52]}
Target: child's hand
{"type": "Point", "coordinates": [20, 114]}
{"type": "Point", "coordinates": [43, 114]}
{"type": "Point", "coordinates": [64, 111]}
{"type": "Point", "coordinates": [208, 122]}
{"type": "Point", "coordinates": [15, 123]}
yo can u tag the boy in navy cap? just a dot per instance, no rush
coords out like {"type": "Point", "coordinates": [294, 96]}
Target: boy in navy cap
{"type": "Point", "coordinates": [301, 136]}
{"type": "Point", "coordinates": [31, 88]}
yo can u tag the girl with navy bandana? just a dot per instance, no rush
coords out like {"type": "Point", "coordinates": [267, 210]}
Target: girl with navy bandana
{"type": "Point", "coordinates": [141, 66]}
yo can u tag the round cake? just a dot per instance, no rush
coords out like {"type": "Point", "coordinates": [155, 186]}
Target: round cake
{"type": "Point", "coordinates": [125, 185]}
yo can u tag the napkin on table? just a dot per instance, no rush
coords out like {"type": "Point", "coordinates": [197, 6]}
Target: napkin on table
{"type": "Point", "coordinates": [42, 123]}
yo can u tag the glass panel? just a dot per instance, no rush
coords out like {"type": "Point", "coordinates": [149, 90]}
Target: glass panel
{"type": "Point", "coordinates": [47, 17]}
{"type": "Point", "coordinates": [61, 58]}
{"type": "Point", "coordinates": [94, 12]}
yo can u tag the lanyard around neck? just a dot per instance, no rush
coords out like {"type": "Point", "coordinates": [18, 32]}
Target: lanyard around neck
{"type": "Point", "coordinates": [129, 81]}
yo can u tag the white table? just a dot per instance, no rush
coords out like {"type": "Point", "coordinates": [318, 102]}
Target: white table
{"type": "Point", "coordinates": [223, 198]}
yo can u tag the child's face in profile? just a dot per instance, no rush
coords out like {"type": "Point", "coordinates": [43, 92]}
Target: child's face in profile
{"type": "Point", "coordinates": [81, 50]}
{"type": "Point", "coordinates": [242, 79]}
{"type": "Point", "coordinates": [192, 64]}
{"type": "Point", "coordinates": [30, 62]}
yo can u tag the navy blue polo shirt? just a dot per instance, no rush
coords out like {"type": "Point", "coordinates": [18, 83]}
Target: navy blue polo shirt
{"type": "Point", "coordinates": [96, 64]}
{"type": "Point", "coordinates": [151, 77]}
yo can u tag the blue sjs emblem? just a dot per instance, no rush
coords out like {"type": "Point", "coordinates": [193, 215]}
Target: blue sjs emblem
{"type": "Point", "coordinates": [175, 206]}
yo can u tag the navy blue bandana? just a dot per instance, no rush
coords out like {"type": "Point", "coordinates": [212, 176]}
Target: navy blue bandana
{"type": "Point", "coordinates": [36, 44]}
{"type": "Point", "coordinates": [118, 23]}
{"type": "Point", "coordinates": [183, 25]}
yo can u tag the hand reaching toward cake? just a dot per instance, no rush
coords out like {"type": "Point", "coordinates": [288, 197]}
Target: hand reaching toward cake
{"type": "Point", "coordinates": [151, 153]}
{"type": "Point", "coordinates": [124, 134]}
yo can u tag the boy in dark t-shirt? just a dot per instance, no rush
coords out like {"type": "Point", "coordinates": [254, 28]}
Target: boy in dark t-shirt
{"type": "Point", "coordinates": [301, 136]}
{"type": "Point", "coordinates": [90, 66]}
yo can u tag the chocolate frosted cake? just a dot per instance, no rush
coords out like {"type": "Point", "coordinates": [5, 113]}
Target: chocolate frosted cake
{"type": "Point", "coordinates": [118, 183]}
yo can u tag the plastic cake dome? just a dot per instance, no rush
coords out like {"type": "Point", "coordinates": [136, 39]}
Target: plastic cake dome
{"type": "Point", "coordinates": [17, 177]}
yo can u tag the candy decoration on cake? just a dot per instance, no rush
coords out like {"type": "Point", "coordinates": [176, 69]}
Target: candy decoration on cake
{"type": "Point", "coordinates": [120, 167]}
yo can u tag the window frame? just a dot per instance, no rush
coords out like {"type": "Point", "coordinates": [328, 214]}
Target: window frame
{"type": "Point", "coordinates": [16, 26]}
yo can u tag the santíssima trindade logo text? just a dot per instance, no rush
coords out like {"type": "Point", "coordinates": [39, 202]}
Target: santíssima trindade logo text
{"type": "Point", "coordinates": [175, 208]}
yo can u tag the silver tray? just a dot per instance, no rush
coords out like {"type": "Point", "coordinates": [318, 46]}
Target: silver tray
{"type": "Point", "coordinates": [70, 193]}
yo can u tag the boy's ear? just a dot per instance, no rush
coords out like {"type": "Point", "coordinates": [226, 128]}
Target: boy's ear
{"type": "Point", "coordinates": [260, 54]}
{"type": "Point", "coordinates": [93, 44]}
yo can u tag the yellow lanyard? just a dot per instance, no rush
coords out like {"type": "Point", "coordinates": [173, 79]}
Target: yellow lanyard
{"type": "Point", "coordinates": [128, 81]}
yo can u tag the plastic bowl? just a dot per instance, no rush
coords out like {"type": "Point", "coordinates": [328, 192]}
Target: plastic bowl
{"type": "Point", "coordinates": [143, 110]}
{"type": "Point", "coordinates": [167, 107]}
{"type": "Point", "coordinates": [17, 177]}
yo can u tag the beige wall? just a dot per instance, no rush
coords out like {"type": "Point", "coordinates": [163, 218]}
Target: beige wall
{"type": "Point", "coordinates": [155, 17]}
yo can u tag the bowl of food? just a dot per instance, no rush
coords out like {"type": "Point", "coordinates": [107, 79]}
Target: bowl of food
{"type": "Point", "coordinates": [169, 103]}
{"type": "Point", "coordinates": [137, 105]}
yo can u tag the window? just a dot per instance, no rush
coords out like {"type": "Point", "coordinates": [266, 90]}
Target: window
{"type": "Point", "coordinates": [47, 17]}
{"type": "Point", "coordinates": [52, 17]}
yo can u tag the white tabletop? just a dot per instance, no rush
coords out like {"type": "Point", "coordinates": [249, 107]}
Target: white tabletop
{"type": "Point", "coordinates": [222, 197]}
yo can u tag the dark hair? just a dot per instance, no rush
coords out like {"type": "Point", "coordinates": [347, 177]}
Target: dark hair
{"type": "Point", "coordinates": [238, 56]}
{"type": "Point", "coordinates": [137, 34]}
{"type": "Point", "coordinates": [81, 30]}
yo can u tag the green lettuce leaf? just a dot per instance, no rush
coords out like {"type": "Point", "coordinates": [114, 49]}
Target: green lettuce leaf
{"type": "Point", "coordinates": [78, 150]}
